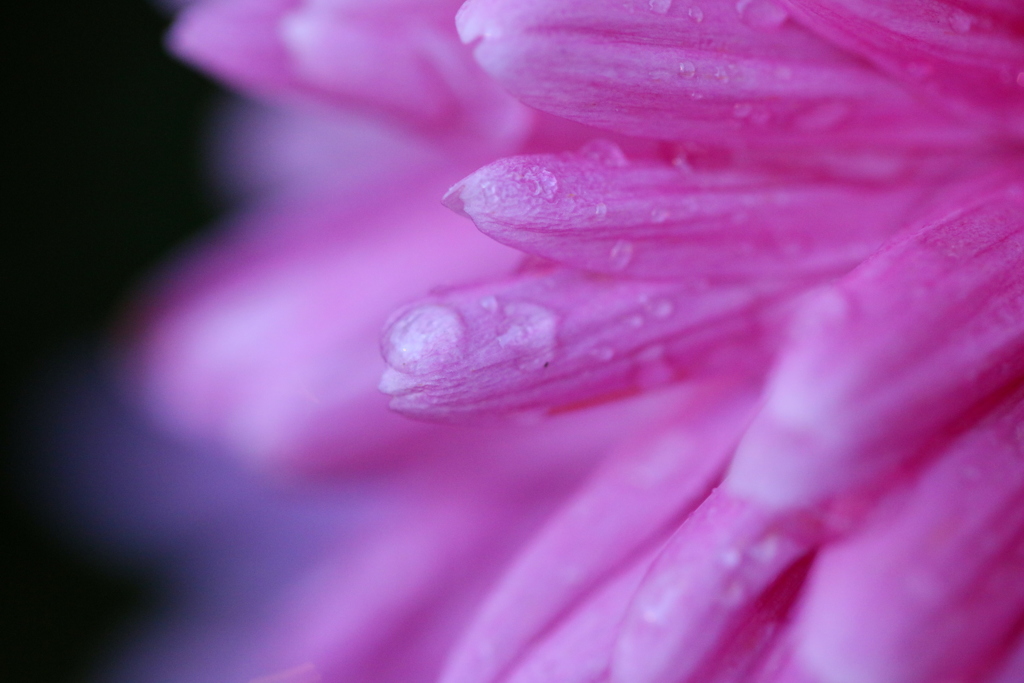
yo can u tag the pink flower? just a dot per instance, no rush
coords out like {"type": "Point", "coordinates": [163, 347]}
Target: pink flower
{"type": "Point", "coordinates": [768, 337]}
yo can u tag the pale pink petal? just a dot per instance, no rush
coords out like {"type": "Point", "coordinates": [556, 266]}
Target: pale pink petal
{"type": "Point", "coordinates": [266, 341]}
{"type": "Point", "coordinates": [398, 59]}
{"type": "Point", "coordinates": [932, 590]}
{"type": "Point", "coordinates": [710, 72]}
{"type": "Point", "coordinates": [703, 590]}
{"type": "Point", "coordinates": [552, 339]}
{"type": "Point", "coordinates": [630, 505]}
{"type": "Point", "coordinates": [678, 223]}
{"type": "Point", "coordinates": [970, 51]}
{"type": "Point", "coordinates": [892, 353]}
{"type": "Point", "coordinates": [579, 650]}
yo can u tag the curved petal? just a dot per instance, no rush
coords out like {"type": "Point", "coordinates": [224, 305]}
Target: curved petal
{"type": "Point", "coordinates": [702, 72]}
{"type": "Point", "coordinates": [959, 52]}
{"type": "Point", "coordinates": [892, 353]}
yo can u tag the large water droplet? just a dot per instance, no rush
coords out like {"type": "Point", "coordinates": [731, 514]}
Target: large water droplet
{"type": "Point", "coordinates": [620, 255]}
{"type": "Point", "coordinates": [660, 6]}
{"type": "Point", "coordinates": [763, 15]}
{"type": "Point", "coordinates": [961, 22]}
{"type": "Point", "coordinates": [605, 152]}
{"type": "Point", "coordinates": [541, 182]}
{"type": "Point", "coordinates": [530, 331]}
{"type": "Point", "coordinates": [695, 13]}
{"type": "Point", "coordinates": [424, 339]}
{"type": "Point", "coordinates": [687, 69]}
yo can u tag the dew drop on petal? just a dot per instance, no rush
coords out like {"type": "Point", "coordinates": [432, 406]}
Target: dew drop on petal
{"type": "Point", "coordinates": [489, 303]}
{"type": "Point", "coordinates": [687, 69]}
{"type": "Point", "coordinates": [424, 339]}
{"type": "Point", "coordinates": [695, 13]}
{"type": "Point", "coordinates": [660, 6]}
{"type": "Point", "coordinates": [764, 15]}
{"type": "Point", "coordinates": [661, 308]}
{"type": "Point", "coordinates": [605, 152]}
{"type": "Point", "coordinates": [601, 210]}
{"type": "Point", "coordinates": [961, 22]}
{"type": "Point", "coordinates": [541, 182]}
{"type": "Point", "coordinates": [530, 332]}
{"type": "Point", "coordinates": [620, 255]}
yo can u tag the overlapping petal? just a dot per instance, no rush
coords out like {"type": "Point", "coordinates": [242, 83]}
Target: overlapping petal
{"type": "Point", "coordinates": [938, 578]}
{"type": "Point", "coordinates": [598, 211]}
{"type": "Point", "coordinates": [962, 53]}
{"type": "Point", "coordinates": [734, 74]}
{"type": "Point", "coordinates": [551, 338]}
{"type": "Point", "coordinates": [893, 352]}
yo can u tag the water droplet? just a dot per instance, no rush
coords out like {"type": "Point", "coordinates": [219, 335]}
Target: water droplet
{"type": "Point", "coordinates": [424, 339]}
{"type": "Point", "coordinates": [605, 152]}
{"type": "Point", "coordinates": [603, 353]}
{"type": "Point", "coordinates": [742, 110]}
{"type": "Point", "coordinates": [731, 557]}
{"type": "Point", "coordinates": [766, 550]}
{"type": "Point", "coordinates": [720, 75]}
{"type": "Point", "coordinates": [660, 308]}
{"type": "Point", "coordinates": [543, 182]}
{"type": "Point", "coordinates": [687, 69]}
{"type": "Point", "coordinates": [763, 15]}
{"type": "Point", "coordinates": [601, 210]}
{"type": "Point", "coordinates": [659, 215]}
{"type": "Point", "coordinates": [529, 330]}
{"type": "Point", "coordinates": [620, 255]}
{"type": "Point", "coordinates": [823, 116]}
{"type": "Point", "coordinates": [489, 303]}
{"type": "Point", "coordinates": [695, 13]}
{"type": "Point", "coordinates": [961, 22]}
{"type": "Point", "coordinates": [660, 6]}
{"type": "Point", "coordinates": [696, 95]}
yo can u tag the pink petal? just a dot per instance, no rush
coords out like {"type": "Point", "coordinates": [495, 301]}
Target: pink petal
{"type": "Point", "coordinates": [680, 71]}
{"type": "Point", "coordinates": [1011, 670]}
{"type": "Point", "coordinates": [892, 353]}
{"type": "Point", "coordinates": [676, 223]}
{"type": "Point", "coordinates": [628, 507]}
{"type": "Point", "coordinates": [932, 590]}
{"type": "Point", "coordinates": [266, 343]}
{"type": "Point", "coordinates": [553, 339]}
{"type": "Point", "coordinates": [707, 589]}
{"type": "Point", "coordinates": [398, 59]}
{"type": "Point", "coordinates": [967, 50]}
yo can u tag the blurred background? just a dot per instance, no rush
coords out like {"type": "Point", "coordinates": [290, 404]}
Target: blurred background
{"type": "Point", "coordinates": [105, 179]}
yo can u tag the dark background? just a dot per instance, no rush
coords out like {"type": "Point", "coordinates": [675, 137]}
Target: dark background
{"type": "Point", "coordinates": [105, 178]}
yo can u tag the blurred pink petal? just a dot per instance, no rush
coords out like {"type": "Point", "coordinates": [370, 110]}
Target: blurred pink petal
{"type": "Point", "coordinates": [705, 587]}
{"type": "Point", "coordinates": [265, 342]}
{"type": "Point", "coordinates": [733, 224]}
{"type": "Point", "coordinates": [627, 508]}
{"type": "Point", "coordinates": [939, 578]}
{"type": "Point", "coordinates": [401, 59]}
{"type": "Point", "coordinates": [957, 51]}
{"type": "Point", "coordinates": [890, 354]}
{"type": "Point", "coordinates": [744, 77]}
{"type": "Point", "coordinates": [553, 339]}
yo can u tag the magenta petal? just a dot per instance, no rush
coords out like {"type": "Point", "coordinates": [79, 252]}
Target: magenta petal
{"type": "Point", "coordinates": [266, 343]}
{"type": "Point", "coordinates": [704, 589]}
{"type": "Point", "coordinates": [628, 507]}
{"type": "Point", "coordinates": [891, 353]}
{"type": "Point", "coordinates": [556, 339]}
{"type": "Point", "coordinates": [599, 212]}
{"type": "Point", "coordinates": [940, 580]}
{"type": "Point", "coordinates": [401, 60]}
{"type": "Point", "coordinates": [655, 68]}
{"type": "Point", "coordinates": [967, 50]}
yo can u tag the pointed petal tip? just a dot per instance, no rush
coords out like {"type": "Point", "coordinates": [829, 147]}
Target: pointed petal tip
{"type": "Point", "coordinates": [453, 199]}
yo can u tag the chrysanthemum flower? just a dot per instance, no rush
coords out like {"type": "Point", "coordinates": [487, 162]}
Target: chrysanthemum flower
{"type": "Point", "coordinates": [774, 274]}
